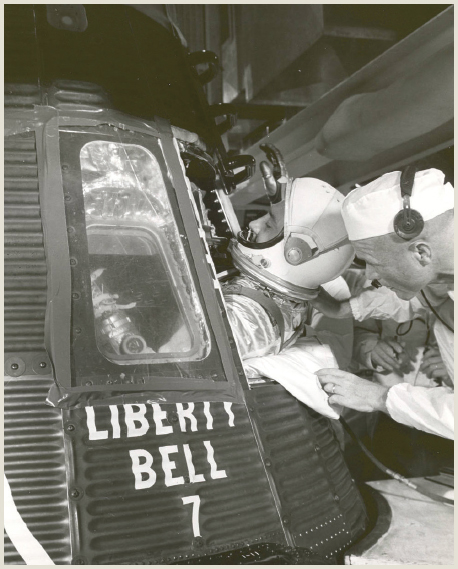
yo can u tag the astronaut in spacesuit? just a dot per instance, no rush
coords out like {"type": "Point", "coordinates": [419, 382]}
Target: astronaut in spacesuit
{"type": "Point", "coordinates": [283, 257]}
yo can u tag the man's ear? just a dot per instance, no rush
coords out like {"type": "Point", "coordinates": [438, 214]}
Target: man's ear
{"type": "Point", "coordinates": [421, 252]}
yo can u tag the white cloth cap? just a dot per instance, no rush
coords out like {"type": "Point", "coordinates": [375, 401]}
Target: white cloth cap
{"type": "Point", "coordinates": [369, 211]}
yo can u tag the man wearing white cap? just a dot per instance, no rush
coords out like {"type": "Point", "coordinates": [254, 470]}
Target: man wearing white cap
{"type": "Point", "coordinates": [402, 227]}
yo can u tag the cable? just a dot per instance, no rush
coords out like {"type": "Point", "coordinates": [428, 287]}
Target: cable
{"type": "Point", "coordinates": [399, 326]}
{"type": "Point", "coordinates": [435, 313]}
{"type": "Point", "coordinates": [392, 473]}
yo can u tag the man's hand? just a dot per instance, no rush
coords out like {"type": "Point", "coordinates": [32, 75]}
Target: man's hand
{"type": "Point", "coordinates": [331, 307]}
{"type": "Point", "coordinates": [433, 366]}
{"type": "Point", "coordinates": [390, 355]}
{"type": "Point", "coordinates": [352, 391]}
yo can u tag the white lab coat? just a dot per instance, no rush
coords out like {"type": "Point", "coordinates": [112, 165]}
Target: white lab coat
{"type": "Point", "coordinates": [427, 409]}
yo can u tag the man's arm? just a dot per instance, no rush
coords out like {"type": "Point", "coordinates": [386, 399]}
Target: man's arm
{"type": "Point", "coordinates": [381, 304]}
{"type": "Point", "coordinates": [337, 333]}
{"type": "Point", "coordinates": [330, 307]}
{"type": "Point", "coordinates": [345, 388]}
{"type": "Point", "coordinates": [428, 409]}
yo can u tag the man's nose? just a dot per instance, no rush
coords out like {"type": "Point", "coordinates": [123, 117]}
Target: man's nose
{"type": "Point", "coordinates": [255, 225]}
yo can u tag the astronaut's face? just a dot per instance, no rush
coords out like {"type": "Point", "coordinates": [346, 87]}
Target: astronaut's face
{"type": "Point", "coordinates": [268, 226]}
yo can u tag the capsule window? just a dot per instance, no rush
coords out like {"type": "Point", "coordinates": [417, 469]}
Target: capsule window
{"type": "Point", "coordinates": [145, 306]}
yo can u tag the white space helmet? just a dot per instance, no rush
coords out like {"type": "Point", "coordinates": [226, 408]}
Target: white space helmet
{"type": "Point", "coordinates": [312, 249]}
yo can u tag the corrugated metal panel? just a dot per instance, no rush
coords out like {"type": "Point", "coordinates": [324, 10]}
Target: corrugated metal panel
{"type": "Point", "coordinates": [34, 462]}
{"type": "Point", "coordinates": [350, 501]}
{"type": "Point", "coordinates": [25, 264]}
{"type": "Point", "coordinates": [118, 524]}
{"type": "Point", "coordinates": [65, 94]}
{"type": "Point", "coordinates": [323, 507]}
{"type": "Point", "coordinates": [17, 95]}
{"type": "Point", "coordinates": [11, 556]}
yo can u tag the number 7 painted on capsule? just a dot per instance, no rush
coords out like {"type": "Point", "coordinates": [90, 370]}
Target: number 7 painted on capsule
{"type": "Point", "coordinates": [195, 501]}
